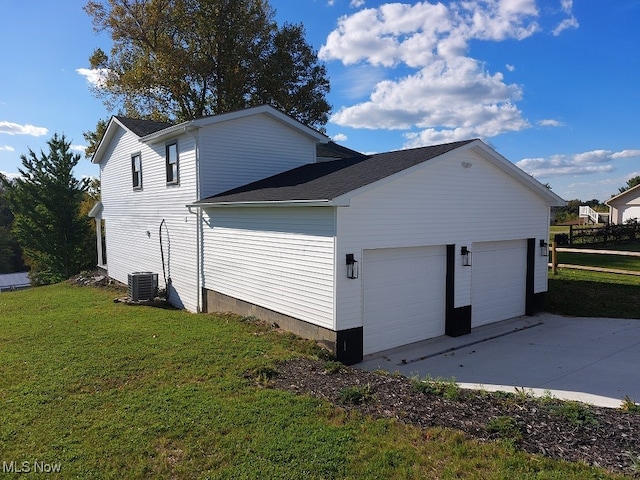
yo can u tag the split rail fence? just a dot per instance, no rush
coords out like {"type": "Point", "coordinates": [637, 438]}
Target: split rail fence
{"type": "Point", "coordinates": [555, 265]}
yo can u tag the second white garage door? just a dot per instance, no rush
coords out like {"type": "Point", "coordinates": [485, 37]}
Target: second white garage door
{"type": "Point", "coordinates": [404, 296]}
{"type": "Point", "coordinates": [498, 281]}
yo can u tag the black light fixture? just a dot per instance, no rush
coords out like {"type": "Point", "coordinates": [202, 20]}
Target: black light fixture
{"type": "Point", "coordinates": [466, 256]}
{"type": "Point", "coordinates": [544, 248]}
{"type": "Point", "coordinates": [352, 266]}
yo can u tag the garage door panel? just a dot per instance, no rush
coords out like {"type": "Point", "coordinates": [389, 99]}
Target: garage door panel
{"type": "Point", "coordinates": [498, 281]}
{"type": "Point", "coordinates": [403, 296]}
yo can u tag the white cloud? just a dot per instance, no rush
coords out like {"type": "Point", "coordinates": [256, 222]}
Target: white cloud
{"type": "Point", "coordinates": [567, 6]}
{"type": "Point", "coordinates": [511, 68]}
{"type": "Point", "coordinates": [95, 76]}
{"type": "Point", "coordinates": [445, 93]}
{"type": "Point", "coordinates": [566, 24]}
{"type": "Point", "coordinates": [339, 137]}
{"type": "Point", "coordinates": [550, 123]}
{"type": "Point", "coordinates": [17, 129]}
{"type": "Point", "coordinates": [79, 148]}
{"type": "Point", "coordinates": [595, 161]}
{"type": "Point", "coordinates": [7, 148]}
{"type": "Point", "coordinates": [356, 3]}
{"type": "Point", "coordinates": [626, 154]}
{"type": "Point", "coordinates": [10, 176]}
{"type": "Point", "coordinates": [331, 2]}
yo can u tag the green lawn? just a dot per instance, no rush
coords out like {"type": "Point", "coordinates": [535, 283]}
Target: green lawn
{"type": "Point", "coordinates": [107, 390]}
{"type": "Point", "coordinates": [593, 294]}
{"type": "Point", "coordinates": [619, 262]}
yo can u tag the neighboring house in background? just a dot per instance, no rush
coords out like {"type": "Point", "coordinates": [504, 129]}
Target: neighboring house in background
{"type": "Point", "coordinates": [14, 281]}
{"type": "Point", "coordinates": [260, 215]}
{"type": "Point", "coordinates": [624, 206]}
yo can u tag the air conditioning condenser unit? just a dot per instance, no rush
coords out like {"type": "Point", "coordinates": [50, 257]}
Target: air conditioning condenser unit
{"type": "Point", "coordinates": [143, 286]}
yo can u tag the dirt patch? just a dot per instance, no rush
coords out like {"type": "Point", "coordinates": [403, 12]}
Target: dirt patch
{"type": "Point", "coordinates": [573, 431]}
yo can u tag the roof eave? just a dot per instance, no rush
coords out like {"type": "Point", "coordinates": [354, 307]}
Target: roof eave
{"type": "Point", "coordinates": [265, 203]}
{"type": "Point", "coordinates": [113, 124]}
{"type": "Point", "coordinates": [169, 132]}
{"type": "Point", "coordinates": [623, 194]}
{"type": "Point", "coordinates": [493, 157]}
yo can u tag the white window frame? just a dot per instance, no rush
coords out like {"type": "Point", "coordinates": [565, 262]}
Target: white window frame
{"type": "Point", "coordinates": [172, 163]}
{"type": "Point", "coordinates": [136, 173]}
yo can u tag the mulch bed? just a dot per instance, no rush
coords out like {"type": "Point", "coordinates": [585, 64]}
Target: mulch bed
{"type": "Point", "coordinates": [604, 437]}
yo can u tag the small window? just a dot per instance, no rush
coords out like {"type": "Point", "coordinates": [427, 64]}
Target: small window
{"type": "Point", "coordinates": [172, 163]}
{"type": "Point", "coordinates": [136, 171]}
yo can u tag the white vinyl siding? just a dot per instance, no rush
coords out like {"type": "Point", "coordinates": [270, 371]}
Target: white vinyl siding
{"type": "Point", "coordinates": [404, 296]}
{"type": "Point", "coordinates": [438, 203]}
{"type": "Point", "coordinates": [130, 214]}
{"type": "Point", "coordinates": [278, 258]}
{"type": "Point", "coordinates": [248, 149]}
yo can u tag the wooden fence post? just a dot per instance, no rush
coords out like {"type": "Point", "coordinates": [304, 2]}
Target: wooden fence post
{"type": "Point", "coordinates": [554, 258]}
{"type": "Point", "coordinates": [570, 234]}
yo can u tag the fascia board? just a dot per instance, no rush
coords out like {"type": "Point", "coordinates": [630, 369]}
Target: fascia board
{"type": "Point", "coordinates": [284, 203]}
{"type": "Point", "coordinates": [169, 132]}
{"type": "Point", "coordinates": [516, 173]}
{"type": "Point", "coordinates": [113, 125]}
{"type": "Point", "coordinates": [616, 198]}
{"type": "Point", "coordinates": [225, 117]}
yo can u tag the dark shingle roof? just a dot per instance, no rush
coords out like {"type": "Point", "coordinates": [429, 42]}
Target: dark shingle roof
{"type": "Point", "coordinates": [333, 150]}
{"type": "Point", "coordinates": [328, 180]}
{"type": "Point", "coordinates": [142, 127]}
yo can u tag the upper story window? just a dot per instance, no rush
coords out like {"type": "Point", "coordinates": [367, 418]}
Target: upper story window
{"type": "Point", "coordinates": [136, 171]}
{"type": "Point", "coordinates": [171, 152]}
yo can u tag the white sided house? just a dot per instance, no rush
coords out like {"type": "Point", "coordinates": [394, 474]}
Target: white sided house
{"type": "Point", "coordinates": [362, 253]}
{"type": "Point", "coordinates": [150, 171]}
{"type": "Point", "coordinates": [625, 207]}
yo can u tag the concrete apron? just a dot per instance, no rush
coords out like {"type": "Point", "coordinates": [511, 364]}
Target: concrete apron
{"type": "Point", "coordinates": [592, 360]}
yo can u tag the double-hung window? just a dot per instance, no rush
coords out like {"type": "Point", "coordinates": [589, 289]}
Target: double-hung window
{"type": "Point", "coordinates": [136, 171]}
{"type": "Point", "coordinates": [171, 152]}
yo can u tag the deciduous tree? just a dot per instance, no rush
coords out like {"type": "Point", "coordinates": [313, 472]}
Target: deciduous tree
{"type": "Point", "coordinates": [45, 202]}
{"type": "Point", "coordinates": [176, 60]}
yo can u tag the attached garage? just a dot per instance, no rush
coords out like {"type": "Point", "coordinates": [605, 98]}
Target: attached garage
{"type": "Point", "coordinates": [390, 258]}
{"type": "Point", "coordinates": [499, 275]}
{"type": "Point", "coordinates": [404, 296]}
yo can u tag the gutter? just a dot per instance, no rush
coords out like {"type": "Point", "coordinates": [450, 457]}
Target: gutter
{"type": "Point", "coordinates": [277, 203]}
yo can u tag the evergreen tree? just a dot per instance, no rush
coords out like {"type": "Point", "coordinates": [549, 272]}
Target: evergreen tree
{"type": "Point", "coordinates": [45, 202]}
{"type": "Point", "coordinates": [632, 182]}
{"type": "Point", "coordinates": [10, 252]}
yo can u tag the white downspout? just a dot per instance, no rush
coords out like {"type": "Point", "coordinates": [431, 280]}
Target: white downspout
{"type": "Point", "coordinates": [198, 226]}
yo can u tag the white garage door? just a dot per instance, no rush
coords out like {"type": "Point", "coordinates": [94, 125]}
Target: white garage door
{"type": "Point", "coordinates": [404, 296]}
{"type": "Point", "coordinates": [631, 213]}
{"type": "Point", "coordinates": [498, 281]}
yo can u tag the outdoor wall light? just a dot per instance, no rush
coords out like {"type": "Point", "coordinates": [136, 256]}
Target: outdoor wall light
{"type": "Point", "coordinates": [544, 248]}
{"type": "Point", "coordinates": [352, 266]}
{"type": "Point", "coordinates": [466, 256]}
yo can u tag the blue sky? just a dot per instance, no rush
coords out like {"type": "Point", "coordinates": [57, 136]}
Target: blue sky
{"type": "Point", "coordinates": [551, 84]}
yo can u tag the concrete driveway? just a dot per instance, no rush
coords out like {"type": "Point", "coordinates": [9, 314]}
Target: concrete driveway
{"type": "Point", "coordinates": [595, 360]}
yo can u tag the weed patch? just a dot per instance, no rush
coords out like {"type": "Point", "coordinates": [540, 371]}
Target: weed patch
{"type": "Point", "coordinates": [356, 395]}
{"type": "Point", "coordinates": [576, 413]}
{"type": "Point", "coordinates": [447, 388]}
